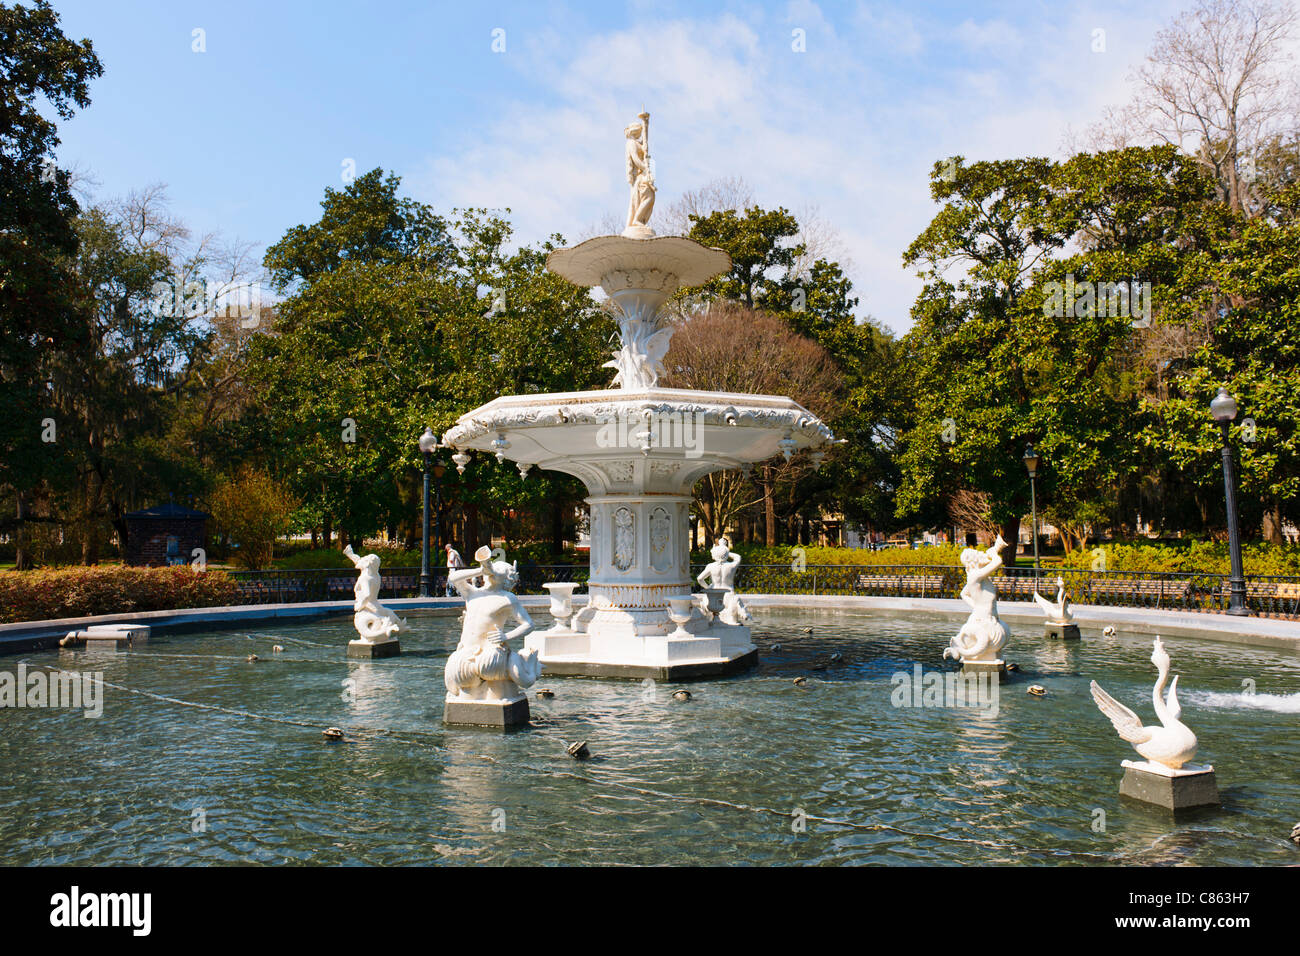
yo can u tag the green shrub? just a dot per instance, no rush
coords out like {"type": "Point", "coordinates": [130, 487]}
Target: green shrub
{"type": "Point", "coordinates": [331, 558]}
{"type": "Point", "coordinates": [947, 555]}
{"type": "Point", "coordinates": [254, 510]}
{"type": "Point", "coordinates": [79, 592]}
{"type": "Point", "coordinates": [1188, 557]}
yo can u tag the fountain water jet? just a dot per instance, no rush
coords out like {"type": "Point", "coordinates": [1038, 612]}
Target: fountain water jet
{"type": "Point", "coordinates": [639, 449]}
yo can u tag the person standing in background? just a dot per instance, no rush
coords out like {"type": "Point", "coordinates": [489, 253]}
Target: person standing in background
{"type": "Point", "coordinates": [454, 563]}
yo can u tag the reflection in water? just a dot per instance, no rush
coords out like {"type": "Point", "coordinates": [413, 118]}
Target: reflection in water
{"type": "Point", "coordinates": [370, 688]}
{"type": "Point", "coordinates": [189, 725]}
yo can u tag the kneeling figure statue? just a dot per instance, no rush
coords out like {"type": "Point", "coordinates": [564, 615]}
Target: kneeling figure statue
{"type": "Point", "coordinates": [720, 573]}
{"type": "Point", "coordinates": [483, 667]}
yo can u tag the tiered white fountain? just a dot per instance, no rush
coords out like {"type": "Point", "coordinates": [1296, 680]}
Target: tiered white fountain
{"type": "Point", "coordinates": [640, 449]}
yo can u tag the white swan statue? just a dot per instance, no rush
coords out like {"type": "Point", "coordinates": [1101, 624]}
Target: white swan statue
{"type": "Point", "coordinates": [1172, 744]}
{"type": "Point", "coordinates": [1058, 611]}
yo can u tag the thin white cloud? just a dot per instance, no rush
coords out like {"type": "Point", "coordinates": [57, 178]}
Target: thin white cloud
{"type": "Point", "coordinates": [841, 126]}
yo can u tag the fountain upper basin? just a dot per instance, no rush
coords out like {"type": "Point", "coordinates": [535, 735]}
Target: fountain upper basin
{"type": "Point", "coordinates": [597, 435]}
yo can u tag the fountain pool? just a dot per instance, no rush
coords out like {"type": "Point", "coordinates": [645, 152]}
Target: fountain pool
{"type": "Point", "coordinates": [194, 737]}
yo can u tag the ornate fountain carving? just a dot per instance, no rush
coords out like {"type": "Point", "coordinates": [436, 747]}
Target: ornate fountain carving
{"type": "Point", "coordinates": [660, 537]}
{"type": "Point", "coordinates": [640, 176]}
{"type": "Point", "coordinates": [624, 539]}
{"type": "Point", "coordinates": [1170, 744]}
{"type": "Point", "coordinates": [1166, 777]}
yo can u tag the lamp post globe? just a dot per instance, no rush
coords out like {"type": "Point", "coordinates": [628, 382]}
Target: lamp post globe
{"type": "Point", "coordinates": [1223, 409]}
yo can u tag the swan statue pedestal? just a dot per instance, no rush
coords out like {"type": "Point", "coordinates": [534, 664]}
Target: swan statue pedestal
{"type": "Point", "coordinates": [375, 623]}
{"type": "Point", "coordinates": [1167, 777]}
{"type": "Point", "coordinates": [485, 679]}
{"type": "Point", "coordinates": [1060, 619]}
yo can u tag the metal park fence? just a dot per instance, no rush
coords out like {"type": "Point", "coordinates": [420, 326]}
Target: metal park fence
{"type": "Point", "coordinates": [1266, 595]}
{"type": "Point", "coordinates": [335, 584]}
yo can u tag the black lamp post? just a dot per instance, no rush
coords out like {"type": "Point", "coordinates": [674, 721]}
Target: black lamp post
{"type": "Point", "coordinates": [1031, 459]}
{"type": "Point", "coordinates": [428, 442]}
{"type": "Point", "coordinates": [1223, 409]}
{"type": "Point", "coordinates": [438, 470]}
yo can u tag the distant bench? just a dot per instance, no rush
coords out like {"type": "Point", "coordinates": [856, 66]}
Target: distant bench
{"type": "Point", "coordinates": [1278, 596]}
{"type": "Point", "coordinates": [1143, 590]}
{"type": "Point", "coordinates": [900, 583]}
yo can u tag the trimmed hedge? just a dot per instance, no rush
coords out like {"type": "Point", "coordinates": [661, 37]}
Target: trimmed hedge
{"type": "Point", "coordinates": [79, 592]}
{"type": "Point", "coordinates": [946, 555]}
{"type": "Point", "coordinates": [311, 560]}
{"type": "Point", "coordinates": [1205, 557]}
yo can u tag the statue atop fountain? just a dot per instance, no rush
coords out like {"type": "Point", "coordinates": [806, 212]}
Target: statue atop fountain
{"type": "Point", "coordinates": [1167, 776]}
{"type": "Point", "coordinates": [484, 677]}
{"type": "Point", "coordinates": [980, 639]}
{"type": "Point", "coordinates": [375, 623]}
{"type": "Point", "coordinates": [720, 575]}
{"type": "Point", "coordinates": [640, 484]}
{"type": "Point", "coordinates": [640, 177]}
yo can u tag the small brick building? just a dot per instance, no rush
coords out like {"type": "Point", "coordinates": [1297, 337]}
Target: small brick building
{"type": "Point", "coordinates": [164, 534]}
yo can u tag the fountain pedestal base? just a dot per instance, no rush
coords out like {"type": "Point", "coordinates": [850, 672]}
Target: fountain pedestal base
{"type": "Point", "coordinates": [368, 650]}
{"type": "Point", "coordinates": [1192, 785]}
{"type": "Point", "coordinates": [511, 712]}
{"type": "Point", "coordinates": [721, 649]}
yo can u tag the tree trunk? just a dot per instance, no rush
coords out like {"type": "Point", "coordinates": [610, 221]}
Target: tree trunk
{"type": "Point", "coordinates": [471, 531]}
{"type": "Point", "coordinates": [327, 531]}
{"type": "Point", "coordinates": [1272, 526]}
{"type": "Point", "coordinates": [22, 556]}
{"type": "Point", "coordinates": [1010, 532]}
{"type": "Point", "coordinates": [557, 528]}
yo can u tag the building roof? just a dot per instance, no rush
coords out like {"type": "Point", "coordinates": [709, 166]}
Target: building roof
{"type": "Point", "coordinates": [169, 510]}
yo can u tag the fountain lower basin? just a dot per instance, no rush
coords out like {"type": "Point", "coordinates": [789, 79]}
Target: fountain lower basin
{"type": "Point", "coordinates": [639, 453]}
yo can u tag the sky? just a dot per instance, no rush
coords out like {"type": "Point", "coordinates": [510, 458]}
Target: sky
{"type": "Point", "coordinates": [248, 111]}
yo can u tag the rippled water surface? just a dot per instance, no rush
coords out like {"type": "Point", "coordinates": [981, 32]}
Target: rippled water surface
{"type": "Point", "coordinates": [195, 738]}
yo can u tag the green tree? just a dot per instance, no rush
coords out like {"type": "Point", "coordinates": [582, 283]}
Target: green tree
{"type": "Point", "coordinates": [1033, 344]}
{"type": "Point", "coordinates": [388, 329]}
{"type": "Point", "coordinates": [38, 65]}
{"type": "Point", "coordinates": [1251, 349]}
{"type": "Point", "coordinates": [814, 301]}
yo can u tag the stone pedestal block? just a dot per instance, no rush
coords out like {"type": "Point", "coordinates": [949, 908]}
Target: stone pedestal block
{"type": "Point", "coordinates": [368, 651]}
{"type": "Point", "coordinates": [1193, 785]}
{"type": "Point", "coordinates": [501, 714]}
{"type": "Point", "coordinates": [998, 667]}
